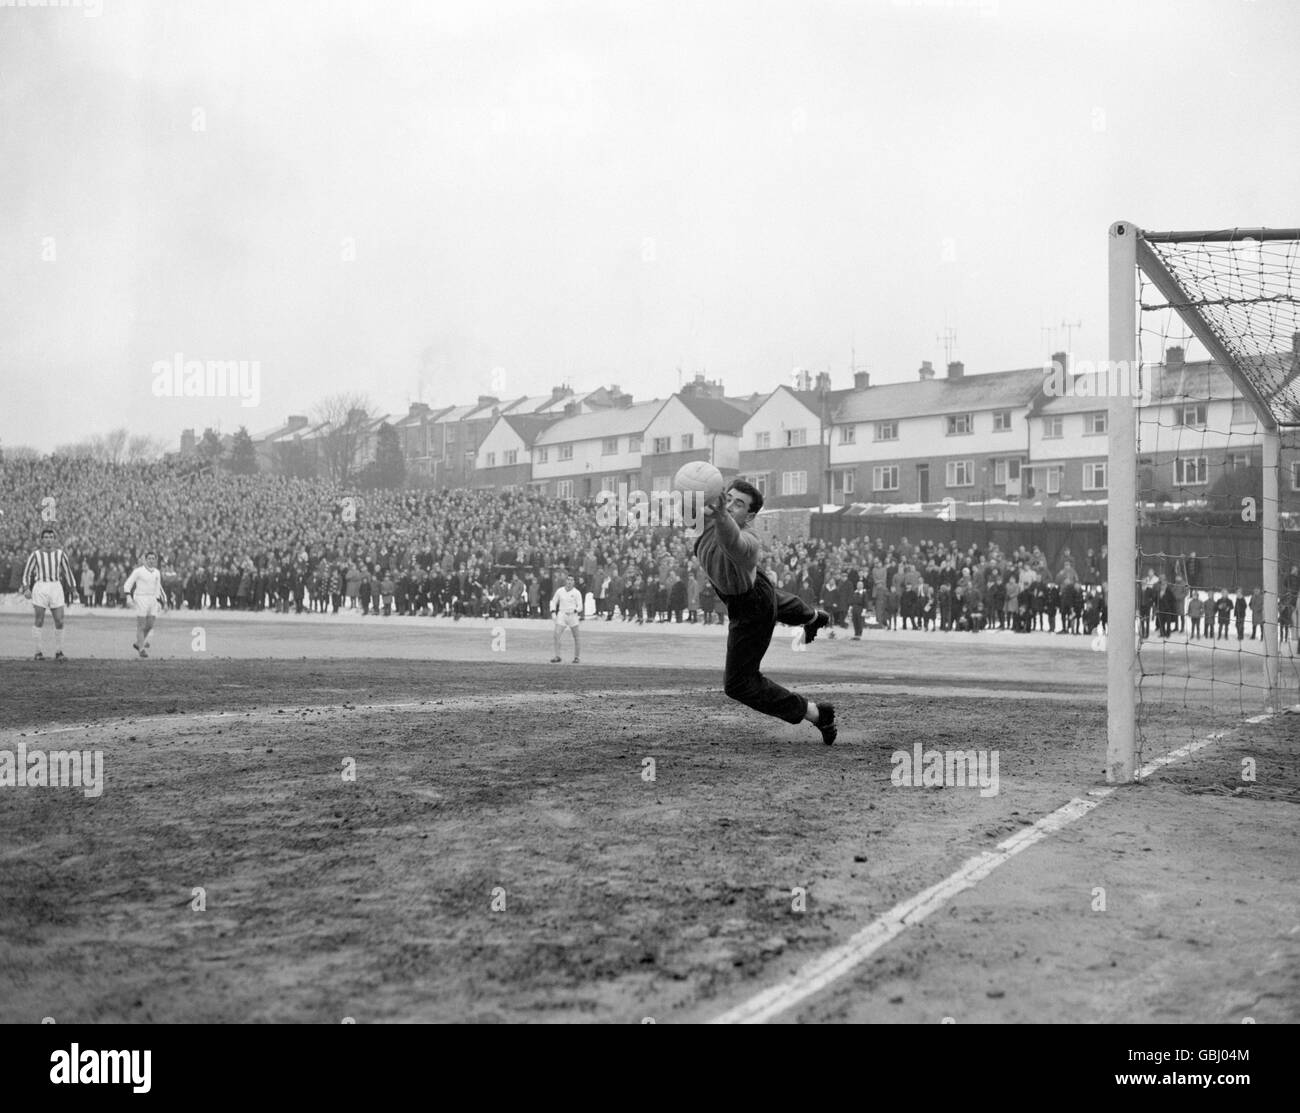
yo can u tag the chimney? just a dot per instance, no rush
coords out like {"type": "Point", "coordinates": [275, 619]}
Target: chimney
{"type": "Point", "coordinates": [570, 409]}
{"type": "Point", "coordinates": [1174, 359]}
{"type": "Point", "coordinates": [927, 371]}
{"type": "Point", "coordinates": [956, 369]}
{"type": "Point", "coordinates": [299, 421]}
{"type": "Point", "coordinates": [823, 382]}
{"type": "Point", "coordinates": [1061, 360]}
{"type": "Point", "coordinates": [558, 392]}
{"type": "Point", "coordinates": [861, 380]}
{"type": "Point", "coordinates": [484, 399]}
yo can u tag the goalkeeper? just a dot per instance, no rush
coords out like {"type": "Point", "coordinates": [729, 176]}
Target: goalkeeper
{"type": "Point", "coordinates": [728, 552]}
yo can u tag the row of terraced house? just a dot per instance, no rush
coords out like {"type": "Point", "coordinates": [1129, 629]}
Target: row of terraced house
{"type": "Point", "coordinates": [1037, 434]}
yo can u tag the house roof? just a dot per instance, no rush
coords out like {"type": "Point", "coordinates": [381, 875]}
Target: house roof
{"type": "Point", "coordinates": [273, 434]}
{"type": "Point", "coordinates": [432, 414]}
{"type": "Point", "coordinates": [749, 403]}
{"type": "Point", "coordinates": [455, 413]}
{"type": "Point", "coordinates": [716, 415]}
{"type": "Point", "coordinates": [529, 426]}
{"type": "Point", "coordinates": [601, 423]}
{"type": "Point", "coordinates": [529, 404]}
{"type": "Point", "coordinates": [997, 391]}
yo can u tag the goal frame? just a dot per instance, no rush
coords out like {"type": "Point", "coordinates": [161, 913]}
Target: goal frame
{"type": "Point", "coordinates": [1129, 252]}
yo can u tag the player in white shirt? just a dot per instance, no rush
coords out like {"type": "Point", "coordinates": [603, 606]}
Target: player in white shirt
{"type": "Point", "coordinates": [144, 586]}
{"type": "Point", "coordinates": [566, 607]}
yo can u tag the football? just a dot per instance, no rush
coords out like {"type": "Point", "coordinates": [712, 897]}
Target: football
{"type": "Point", "coordinates": [699, 475]}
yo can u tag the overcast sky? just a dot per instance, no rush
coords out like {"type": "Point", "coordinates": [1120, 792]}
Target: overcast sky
{"type": "Point", "coordinates": [401, 198]}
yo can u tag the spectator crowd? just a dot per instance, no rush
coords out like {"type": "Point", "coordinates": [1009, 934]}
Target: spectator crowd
{"type": "Point", "coordinates": [260, 543]}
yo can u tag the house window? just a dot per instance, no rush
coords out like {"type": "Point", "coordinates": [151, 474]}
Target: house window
{"type": "Point", "coordinates": [762, 440]}
{"type": "Point", "coordinates": [688, 441]}
{"type": "Point", "coordinates": [662, 444]}
{"type": "Point", "coordinates": [661, 483]}
{"type": "Point", "coordinates": [609, 446]}
{"type": "Point", "coordinates": [543, 455]}
{"type": "Point", "coordinates": [1192, 416]}
{"type": "Point", "coordinates": [848, 434]}
{"type": "Point", "coordinates": [959, 425]}
{"type": "Point", "coordinates": [512, 455]}
{"type": "Point", "coordinates": [961, 473]}
{"type": "Point", "coordinates": [1053, 427]}
{"type": "Point", "coordinates": [885, 477]}
{"type": "Point", "coordinates": [794, 438]}
{"type": "Point", "coordinates": [634, 444]}
{"type": "Point", "coordinates": [886, 430]}
{"type": "Point", "coordinates": [760, 481]}
{"type": "Point", "coordinates": [491, 459]}
{"type": "Point", "coordinates": [1295, 475]}
{"type": "Point", "coordinates": [1190, 471]}
{"type": "Point", "coordinates": [1002, 421]}
{"type": "Point", "coordinates": [1094, 423]}
{"type": "Point", "coordinates": [1238, 460]}
{"type": "Point", "coordinates": [845, 481]}
{"type": "Point", "coordinates": [999, 473]}
{"type": "Point", "coordinates": [564, 489]}
{"type": "Point", "coordinates": [794, 483]}
{"type": "Point", "coordinates": [1241, 412]}
{"type": "Point", "coordinates": [1094, 477]}
{"type": "Point", "coordinates": [1054, 481]}
{"type": "Point", "coordinates": [566, 452]}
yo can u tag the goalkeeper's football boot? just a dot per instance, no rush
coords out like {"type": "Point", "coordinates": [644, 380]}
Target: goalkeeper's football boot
{"type": "Point", "coordinates": [820, 619]}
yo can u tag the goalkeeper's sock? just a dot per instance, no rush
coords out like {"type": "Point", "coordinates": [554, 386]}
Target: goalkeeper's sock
{"type": "Point", "coordinates": [58, 639]}
{"type": "Point", "coordinates": [36, 637]}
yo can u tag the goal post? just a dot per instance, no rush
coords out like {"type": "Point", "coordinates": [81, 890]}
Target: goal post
{"type": "Point", "coordinates": [1236, 293]}
{"type": "Point", "coordinates": [1121, 514]}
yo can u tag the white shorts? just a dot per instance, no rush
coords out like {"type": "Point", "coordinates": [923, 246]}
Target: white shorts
{"type": "Point", "coordinates": [146, 605]}
{"type": "Point", "coordinates": [47, 593]}
{"type": "Point", "coordinates": [570, 620]}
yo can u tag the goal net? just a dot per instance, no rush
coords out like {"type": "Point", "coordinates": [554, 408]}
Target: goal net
{"type": "Point", "coordinates": [1204, 484]}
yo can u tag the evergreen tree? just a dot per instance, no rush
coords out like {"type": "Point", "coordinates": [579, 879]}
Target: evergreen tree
{"type": "Point", "coordinates": [243, 454]}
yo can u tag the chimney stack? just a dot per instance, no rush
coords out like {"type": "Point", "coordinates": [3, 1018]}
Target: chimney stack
{"type": "Point", "coordinates": [861, 380]}
{"type": "Point", "coordinates": [823, 382]}
{"type": "Point", "coordinates": [927, 371]}
{"type": "Point", "coordinates": [956, 369]}
{"type": "Point", "coordinates": [558, 392]}
{"type": "Point", "coordinates": [1061, 360]}
{"type": "Point", "coordinates": [1174, 359]}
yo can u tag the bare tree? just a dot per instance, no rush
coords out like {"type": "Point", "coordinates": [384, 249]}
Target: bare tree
{"type": "Point", "coordinates": [143, 449]}
{"type": "Point", "coordinates": [345, 417]}
{"type": "Point", "coordinates": [17, 452]}
{"type": "Point", "coordinates": [113, 445]}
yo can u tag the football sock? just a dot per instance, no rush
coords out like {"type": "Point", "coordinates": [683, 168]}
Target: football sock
{"type": "Point", "coordinates": [36, 637]}
{"type": "Point", "coordinates": [58, 639]}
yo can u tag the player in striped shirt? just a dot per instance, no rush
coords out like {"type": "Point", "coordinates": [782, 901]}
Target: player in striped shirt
{"type": "Point", "coordinates": [144, 586]}
{"type": "Point", "coordinates": [46, 578]}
